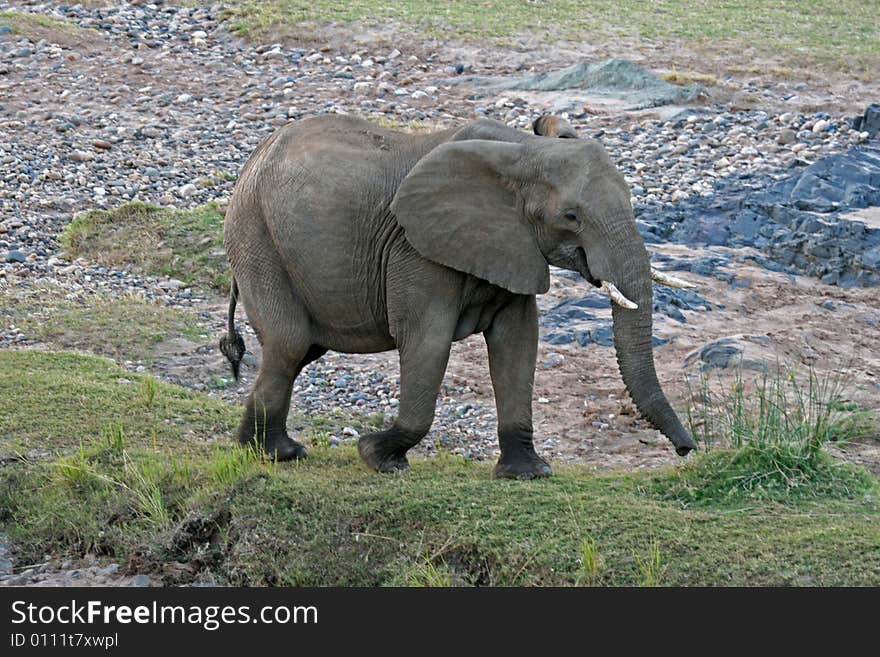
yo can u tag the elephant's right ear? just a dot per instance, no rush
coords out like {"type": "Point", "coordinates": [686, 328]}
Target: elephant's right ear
{"type": "Point", "coordinates": [459, 208]}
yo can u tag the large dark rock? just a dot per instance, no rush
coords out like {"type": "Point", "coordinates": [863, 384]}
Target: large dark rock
{"type": "Point", "coordinates": [670, 302]}
{"type": "Point", "coordinates": [601, 333]}
{"type": "Point", "coordinates": [735, 351]}
{"type": "Point", "coordinates": [798, 221]}
{"type": "Point", "coordinates": [571, 321]}
{"type": "Point", "coordinates": [870, 121]}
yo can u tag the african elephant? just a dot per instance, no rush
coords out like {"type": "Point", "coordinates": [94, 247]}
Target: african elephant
{"type": "Point", "coordinates": [348, 236]}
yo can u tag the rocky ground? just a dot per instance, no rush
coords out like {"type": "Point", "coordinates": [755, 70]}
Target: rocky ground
{"type": "Point", "coordinates": [63, 573]}
{"type": "Point", "coordinates": [163, 104]}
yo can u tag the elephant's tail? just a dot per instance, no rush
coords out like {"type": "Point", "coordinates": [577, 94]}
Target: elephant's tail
{"type": "Point", "coordinates": [232, 344]}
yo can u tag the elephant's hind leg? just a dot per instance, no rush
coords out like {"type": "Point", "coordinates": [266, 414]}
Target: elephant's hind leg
{"type": "Point", "coordinates": [264, 424]}
{"type": "Point", "coordinates": [283, 326]}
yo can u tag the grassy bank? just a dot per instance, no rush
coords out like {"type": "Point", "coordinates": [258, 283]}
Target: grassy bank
{"type": "Point", "coordinates": [184, 244]}
{"type": "Point", "coordinates": [155, 484]}
{"type": "Point", "coordinates": [842, 35]}
{"type": "Point", "coordinates": [58, 401]}
{"type": "Point", "coordinates": [123, 327]}
{"type": "Point", "coordinates": [27, 24]}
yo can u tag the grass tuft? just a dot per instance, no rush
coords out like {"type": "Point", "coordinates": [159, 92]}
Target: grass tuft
{"type": "Point", "coordinates": [233, 463]}
{"type": "Point", "coordinates": [765, 441]}
{"type": "Point", "coordinates": [22, 22]}
{"type": "Point", "coordinates": [149, 389]}
{"type": "Point", "coordinates": [651, 566]}
{"type": "Point", "coordinates": [74, 469]}
{"type": "Point", "coordinates": [114, 435]}
{"type": "Point", "coordinates": [802, 411]}
{"type": "Point", "coordinates": [183, 244]}
{"type": "Point", "coordinates": [123, 327]}
{"type": "Point", "coordinates": [759, 474]}
{"type": "Point", "coordinates": [428, 574]}
{"type": "Point", "coordinates": [591, 562]}
{"type": "Point", "coordinates": [414, 127]}
{"type": "Point", "coordinates": [143, 481]}
{"type": "Point", "coordinates": [689, 78]}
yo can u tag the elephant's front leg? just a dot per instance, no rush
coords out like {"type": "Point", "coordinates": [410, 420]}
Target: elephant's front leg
{"type": "Point", "coordinates": [512, 342]}
{"type": "Point", "coordinates": [423, 359]}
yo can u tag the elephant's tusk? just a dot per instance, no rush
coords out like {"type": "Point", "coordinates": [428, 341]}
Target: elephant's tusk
{"type": "Point", "coordinates": [671, 281]}
{"type": "Point", "coordinates": [617, 296]}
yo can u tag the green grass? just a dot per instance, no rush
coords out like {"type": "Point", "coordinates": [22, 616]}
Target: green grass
{"type": "Point", "coordinates": [590, 562]}
{"type": "Point", "coordinates": [180, 502]}
{"type": "Point", "coordinates": [23, 22]}
{"type": "Point", "coordinates": [184, 244]}
{"type": "Point", "coordinates": [753, 474]}
{"type": "Point", "coordinates": [123, 327]}
{"type": "Point", "coordinates": [766, 439]}
{"type": "Point", "coordinates": [651, 566]}
{"type": "Point", "coordinates": [843, 35]}
{"type": "Point", "coordinates": [58, 400]}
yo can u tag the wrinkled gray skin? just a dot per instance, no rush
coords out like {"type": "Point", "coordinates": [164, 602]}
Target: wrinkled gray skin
{"type": "Point", "coordinates": [343, 235]}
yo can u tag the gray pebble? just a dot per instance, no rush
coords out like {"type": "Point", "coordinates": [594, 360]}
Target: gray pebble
{"type": "Point", "coordinates": [787, 136]}
{"type": "Point", "coordinates": [140, 581]}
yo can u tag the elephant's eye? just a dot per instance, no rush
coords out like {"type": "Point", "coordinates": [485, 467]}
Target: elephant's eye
{"type": "Point", "coordinates": [571, 218]}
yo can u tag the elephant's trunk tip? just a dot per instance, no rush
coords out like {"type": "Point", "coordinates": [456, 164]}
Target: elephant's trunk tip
{"type": "Point", "coordinates": [683, 450]}
{"type": "Point", "coordinates": [681, 438]}
{"type": "Point", "coordinates": [683, 441]}
{"type": "Point", "coordinates": [232, 344]}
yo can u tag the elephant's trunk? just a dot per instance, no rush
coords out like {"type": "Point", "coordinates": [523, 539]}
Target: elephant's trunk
{"type": "Point", "coordinates": [633, 342]}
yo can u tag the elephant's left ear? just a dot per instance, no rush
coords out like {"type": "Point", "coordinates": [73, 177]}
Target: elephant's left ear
{"type": "Point", "coordinates": [548, 125]}
{"type": "Point", "coordinates": [459, 207]}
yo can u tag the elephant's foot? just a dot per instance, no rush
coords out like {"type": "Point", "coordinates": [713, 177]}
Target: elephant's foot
{"type": "Point", "coordinates": [521, 465]}
{"type": "Point", "coordinates": [385, 451]}
{"type": "Point", "coordinates": [278, 448]}
{"type": "Point", "coordinates": [518, 458]}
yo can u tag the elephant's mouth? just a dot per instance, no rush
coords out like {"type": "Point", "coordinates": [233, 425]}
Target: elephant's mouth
{"type": "Point", "coordinates": [583, 267]}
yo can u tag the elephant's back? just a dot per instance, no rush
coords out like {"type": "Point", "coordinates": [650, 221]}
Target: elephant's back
{"type": "Point", "coordinates": [320, 189]}
{"type": "Point", "coordinates": [335, 166]}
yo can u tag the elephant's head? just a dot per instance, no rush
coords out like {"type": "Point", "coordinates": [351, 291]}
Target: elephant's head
{"type": "Point", "coordinates": [502, 211]}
